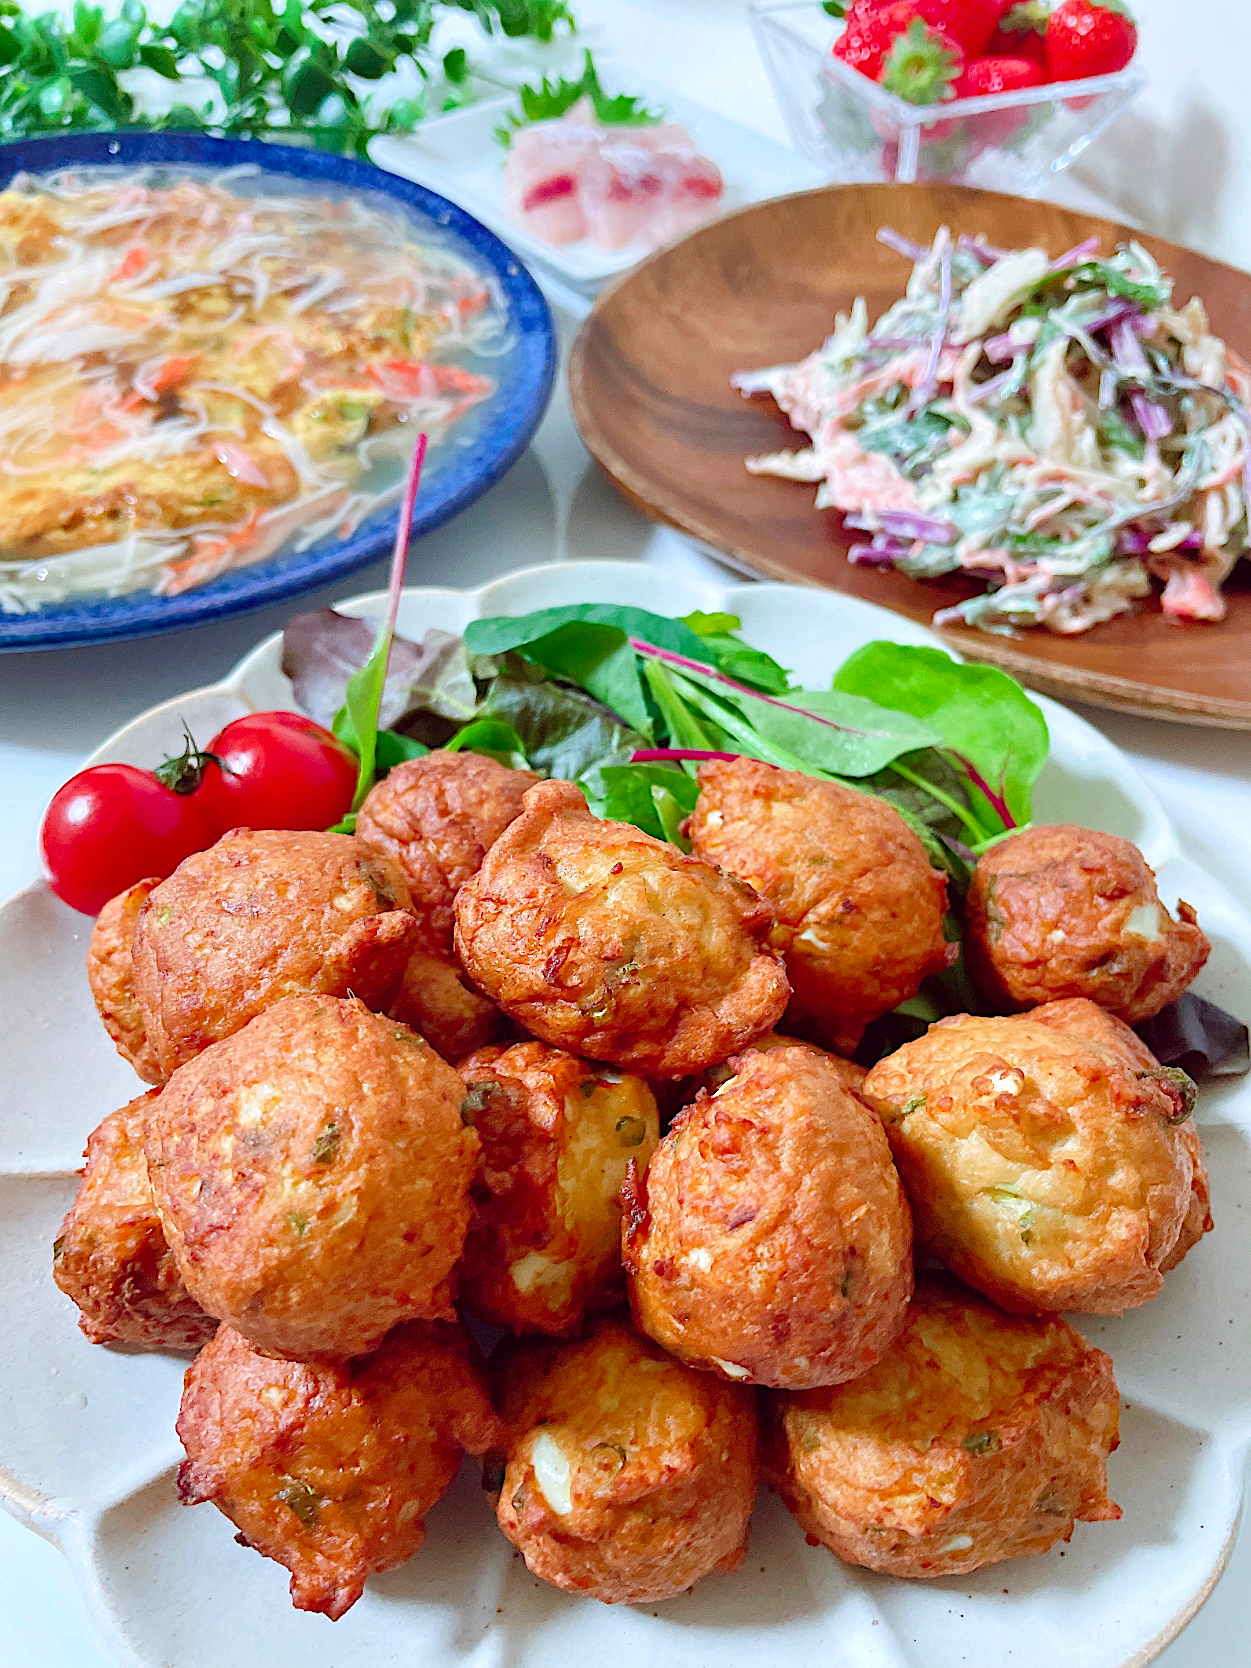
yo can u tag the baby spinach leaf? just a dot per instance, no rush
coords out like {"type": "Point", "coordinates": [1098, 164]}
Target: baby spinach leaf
{"type": "Point", "coordinates": [600, 660]}
{"type": "Point", "coordinates": [846, 734]}
{"type": "Point", "coordinates": [683, 727]}
{"type": "Point", "coordinates": [736, 658]}
{"type": "Point", "coordinates": [493, 736]}
{"type": "Point", "coordinates": [562, 732]}
{"type": "Point", "coordinates": [393, 748]}
{"type": "Point", "coordinates": [501, 632]}
{"type": "Point", "coordinates": [986, 724]}
{"type": "Point", "coordinates": [654, 797]}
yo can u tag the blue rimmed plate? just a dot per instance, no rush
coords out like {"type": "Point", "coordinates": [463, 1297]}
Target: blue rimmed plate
{"type": "Point", "coordinates": [486, 445]}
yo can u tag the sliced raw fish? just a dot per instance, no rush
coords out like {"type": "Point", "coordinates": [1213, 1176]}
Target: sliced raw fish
{"type": "Point", "coordinates": [623, 187]}
{"type": "Point", "coordinates": [543, 176]}
{"type": "Point", "coordinates": [615, 186]}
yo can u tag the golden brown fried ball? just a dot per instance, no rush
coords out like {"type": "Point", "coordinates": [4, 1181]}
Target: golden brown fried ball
{"type": "Point", "coordinates": [770, 1240]}
{"type": "Point", "coordinates": [1081, 1017]}
{"type": "Point", "coordinates": [261, 915]}
{"type": "Point", "coordinates": [977, 1437]}
{"type": "Point", "coordinates": [859, 909]}
{"type": "Point", "coordinates": [437, 1000]}
{"type": "Point", "coordinates": [436, 817]}
{"type": "Point", "coordinates": [112, 1256]}
{"type": "Point", "coordinates": [312, 1173]}
{"type": "Point", "coordinates": [627, 1476]}
{"type": "Point", "coordinates": [600, 939]}
{"type": "Point", "coordinates": [849, 1073]}
{"type": "Point", "coordinates": [330, 1469]}
{"type": "Point", "coordinates": [1045, 1168]}
{"type": "Point", "coordinates": [544, 1246]}
{"type": "Point", "coordinates": [111, 975]}
{"type": "Point", "coordinates": [1057, 912]}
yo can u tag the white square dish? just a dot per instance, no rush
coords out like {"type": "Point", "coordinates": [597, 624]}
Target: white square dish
{"type": "Point", "coordinates": [459, 155]}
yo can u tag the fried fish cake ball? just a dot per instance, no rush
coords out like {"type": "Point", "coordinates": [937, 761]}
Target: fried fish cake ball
{"type": "Point", "coordinates": [263, 914]}
{"type": "Point", "coordinates": [312, 1174]}
{"type": "Point", "coordinates": [600, 939]}
{"type": "Point", "coordinates": [544, 1246]}
{"type": "Point", "coordinates": [330, 1469]}
{"type": "Point", "coordinates": [111, 1255]}
{"type": "Point", "coordinates": [627, 1477]}
{"type": "Point", "coordinates": [1081, 1017]}
{"type": "Point", "coordinates": [1045, 1168]}
{"type": "Point", "coordinates": [849, 1074]}
{"type": "Point", "coordinates": [977, 1437]}
{"type": "Point", "coordinates": [1057, 912]}
{"type": "Point", "coordinates": [859, 909]}
{"type": "Point", "coordinates": [770, 1240]}
{"type": "Point", "coordinates": [111, 975]}
{"type": "Point", "coordinates": [436, 818]}
{"type": "Point", "coordinates": [437, 1000]}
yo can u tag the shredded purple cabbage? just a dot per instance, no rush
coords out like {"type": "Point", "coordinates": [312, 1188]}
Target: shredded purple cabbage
{"type": "Point", "coordinates": [985, 252]}
{"type": "Point", "coordinates": [869, 556]}
{"type": "Point", "coordinates": [906, 524]}
{"type": "Point", "coordinates": [1074, 256]}
{"type": "Point", "coordinates": [988, 390]}
{"type": "Point", "coordinates": [999, 349]}
{"type": "Point", "coordinates": [923, 393]}
{"type": "Point", "coordinates": [902, 245]}
{"type": "Point", "coordinates": [1136, 541]}
{"type": "Point", "coordinates": [1127, 349]}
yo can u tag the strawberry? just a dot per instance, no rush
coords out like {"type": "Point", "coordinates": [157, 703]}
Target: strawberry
{"type": "Point", "coordinates": [922, 65]}
{"type": "Point", "coordinates": [1021, 33]}
{"type": "Point", "coordinates": [986, 76]}
{"type": "Point", "coordinates": [1089, 37]}
{"type": "Point", "coordinates": [870, 34]}
{"type": "Point", "coordinates": [969, 23]}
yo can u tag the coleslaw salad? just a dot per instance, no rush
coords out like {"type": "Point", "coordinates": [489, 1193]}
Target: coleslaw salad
{"type": "Point", "coordinates": [1056, 428]}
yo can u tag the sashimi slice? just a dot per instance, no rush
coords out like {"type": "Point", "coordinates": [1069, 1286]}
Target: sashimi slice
{"type": "Point", "coordinates": [543, 176]}
{"type": "Point", "coordinates": [622, 188]}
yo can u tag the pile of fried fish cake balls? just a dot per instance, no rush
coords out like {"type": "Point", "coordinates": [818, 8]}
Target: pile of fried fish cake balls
{"type": "Point", "coordinates": [423, 1074]}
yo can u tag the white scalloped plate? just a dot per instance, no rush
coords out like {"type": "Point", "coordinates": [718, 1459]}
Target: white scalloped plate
{"type": "Point", "coordinates": [88, 1448]}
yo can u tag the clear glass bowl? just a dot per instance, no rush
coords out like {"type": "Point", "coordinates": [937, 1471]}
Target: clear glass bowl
{"type": "Point", "coordinates": [860, 132]}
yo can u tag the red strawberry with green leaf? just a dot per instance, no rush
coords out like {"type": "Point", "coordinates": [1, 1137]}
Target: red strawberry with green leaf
{"type": "Point", "coordinates": [870, 34]}
{"type": "Point", "coordinates": [968, 23]}
{"type": "Point", "coordinates": [1022, 32]}
{"type": "Point", "coordinates": [988, 77]}
{"type": "Point", "coordinates": [1089, 37]}
{"type": "Point", "coordinates": [922, 65]}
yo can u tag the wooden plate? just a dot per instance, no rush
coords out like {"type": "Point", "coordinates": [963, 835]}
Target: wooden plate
{"type": "Point", "coordinates": [650, 381]}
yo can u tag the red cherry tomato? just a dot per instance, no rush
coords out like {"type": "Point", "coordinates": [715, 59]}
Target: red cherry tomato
{"type": "Point", "coordinates": [111, 825]}
{"type": "Point", "coordinates": [278, 770]}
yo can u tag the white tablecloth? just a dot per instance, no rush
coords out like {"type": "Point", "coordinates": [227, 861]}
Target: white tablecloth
{"type": "Point", "coordinates": [1180, 163]}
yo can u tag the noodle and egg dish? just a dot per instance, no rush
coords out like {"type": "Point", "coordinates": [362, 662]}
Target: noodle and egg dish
{"type": "Point", "coordinates": [197, 372]}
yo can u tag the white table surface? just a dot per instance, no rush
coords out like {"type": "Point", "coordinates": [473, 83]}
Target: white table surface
{"type": "Point", "coordinates": [1180, 163]}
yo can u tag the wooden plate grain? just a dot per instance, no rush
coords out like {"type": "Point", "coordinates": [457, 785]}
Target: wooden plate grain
{"type": "Point", "coordinates": [650, 382]}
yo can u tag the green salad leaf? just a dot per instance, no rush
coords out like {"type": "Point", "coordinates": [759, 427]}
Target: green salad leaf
{"type": "Point", "coordinates": [562, 731]}
{"type": "Point", "coordinates": [654, 797]}
{"type": "Point", "coordinates": [734, 657]}
{"type": "Point", "coordinates": [989, 730]}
